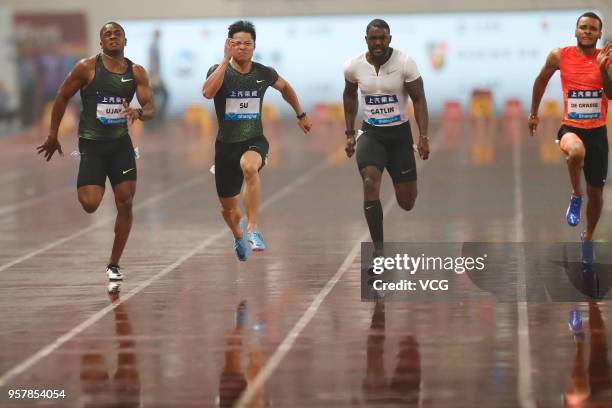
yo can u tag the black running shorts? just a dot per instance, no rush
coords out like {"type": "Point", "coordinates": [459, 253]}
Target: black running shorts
{"type": "Point", "coordinates": [228, 174]}
{"type": "Point", "coordinates": [595, 142]}
{"type": "Point", "coordinates": [114, 159]}
{"type": "Point", "coordinates": [388, 147]}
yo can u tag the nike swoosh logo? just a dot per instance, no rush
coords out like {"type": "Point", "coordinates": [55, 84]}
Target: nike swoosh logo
{"type": "Point", "coordinates": [406, 171]}
{"type": "Point", "coordinates": [259, 81]}
{"type": "Point", "coordinates": [126, 80]}
{"type": "Point", "coordinates": [367, 208]}
{"type": "Point", "coordinates": [127, 171]}
{"type": "Point", "coordinates": [390, 72]}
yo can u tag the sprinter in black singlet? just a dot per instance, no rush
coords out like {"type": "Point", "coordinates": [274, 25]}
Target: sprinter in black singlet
{"type": "Point", "coordinates": [238, 86]}
{"type": "Point", "coordinates": [107, 83]}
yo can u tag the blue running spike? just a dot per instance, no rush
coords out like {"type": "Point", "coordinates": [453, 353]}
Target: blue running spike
{"type": "Point", "coordinates": [586, 251]}
{"type": "Point", "coordinates": [573, 211]}
{"type": "Point", "coordinates": [256, 241]}
{"type": "Point", "coordinates": [575, 324]}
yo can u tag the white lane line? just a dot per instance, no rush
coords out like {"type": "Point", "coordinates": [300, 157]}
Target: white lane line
{"type": "Point", "coordinates": [283, 349]}
{"type": "Point", "coordinates": [7, 209]}
{"type": "Point", "coordinates": [525, 383]}
{"type": "Point", "coordinates": [10, 176]}
{"type": "Point", "coordinates": [151, 200]}
{"type": "Point", "coordinates": [287, 343]}
{"type": "Point", "coordinates": [45, 351]}
{"type": "Point", "coordinates": [10, 208]}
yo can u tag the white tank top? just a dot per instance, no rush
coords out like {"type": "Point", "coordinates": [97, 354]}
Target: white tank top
{"type": "Point", "coordinates": [384, 97]}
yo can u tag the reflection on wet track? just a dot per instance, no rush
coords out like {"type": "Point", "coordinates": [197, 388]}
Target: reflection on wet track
{"type": "Point", "coordinates": [202, 332]}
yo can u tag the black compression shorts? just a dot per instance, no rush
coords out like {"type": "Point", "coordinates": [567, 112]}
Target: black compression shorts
{"type": "Point", "coordinates": [595, 143]}
{"type": "Point", "coordinates": [114, 159]}
{"type": "Point", "coordinates": [228, 174]}
{"type": "Point", "coordinates": [388, 147]}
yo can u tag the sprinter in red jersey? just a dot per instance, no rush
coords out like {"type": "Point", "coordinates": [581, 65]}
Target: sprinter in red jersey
{"type": "Point", "coordinates": [586, 74]}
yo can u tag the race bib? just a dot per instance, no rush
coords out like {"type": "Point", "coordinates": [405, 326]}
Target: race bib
{"type": "Point", "coordinates": [382, 109]}
{"type": "Point", "coordinates": [242, 105]}
{"type": "Point", "coordinates": [109, 110]}
{"type": "Point", "coordinates": [584, 104]}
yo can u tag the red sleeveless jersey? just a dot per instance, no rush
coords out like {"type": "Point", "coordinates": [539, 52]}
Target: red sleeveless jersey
{"type": "Point", "coordinates": [585, 103]}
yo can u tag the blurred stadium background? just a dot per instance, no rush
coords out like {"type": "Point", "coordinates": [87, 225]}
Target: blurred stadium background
{"type": "Point", "coordinates": [187, 343]}
{"type": "Point", "coordinates": [477, 57]}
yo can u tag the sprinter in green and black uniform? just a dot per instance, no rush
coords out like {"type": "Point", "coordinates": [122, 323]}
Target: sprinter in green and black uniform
{"type": "Point", "coordinates": [238, 86]}
{"type": "Point", "coordinates": [107, 83]}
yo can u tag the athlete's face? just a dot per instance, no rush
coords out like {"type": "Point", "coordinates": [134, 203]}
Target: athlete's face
{"type": "Point", "coordinates": [588, 32]}
{"type": "Point", "coordinates": [112, 39]}
{"type": "Point", "coordinates": [243, 46]}
{"type": "Point", "coordinates": [378, 40]}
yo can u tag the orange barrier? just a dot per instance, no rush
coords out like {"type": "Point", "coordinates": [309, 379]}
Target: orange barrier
{"type": "Point", "coordinates": [452, 111]}
{"type": "Point", "coordinates": [327, 112]}
{"type": "Point", "coordinates": [513, 109]}
{"type": "Point", "coordinates": [551, 108]}
{"type": "Point", "coordinates": [269, 113]}
{"type": "Point", "coordinates": [335, 112]}
{"type": "Point", "coordinates": [481, 105]}
{"type": "Point", "coordinates": [198, 118]}
{"type": "Point", "coordinates": [318, 112]}
{"type": "Point", "coordinates": [549, 152]}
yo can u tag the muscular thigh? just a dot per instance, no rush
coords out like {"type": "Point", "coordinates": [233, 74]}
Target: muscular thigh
{"type": "Point", "coordinates": [371, 152]}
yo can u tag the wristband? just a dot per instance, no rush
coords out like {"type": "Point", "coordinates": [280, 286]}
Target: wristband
{"type": "Point", "coordinates": [301, 115]}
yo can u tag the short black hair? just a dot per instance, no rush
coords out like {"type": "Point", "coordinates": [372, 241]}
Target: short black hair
{"type": "Point", "coordinates": [241, 26]}
{"type": "Point", "coordinates": [377, 22]}
{"type": "Point", "coordinates": [590, 14]}
{"type": "Point", "coordinates": [114, 23]}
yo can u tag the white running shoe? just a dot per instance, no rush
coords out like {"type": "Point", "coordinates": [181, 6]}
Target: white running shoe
{"type": "Point", "coordinates": [114, 273]}
{"type": "Point", "coordinates": [113, 287]}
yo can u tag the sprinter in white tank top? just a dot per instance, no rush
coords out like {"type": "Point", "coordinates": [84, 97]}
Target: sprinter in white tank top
{"type": "Point", "coordinates": [386, 78]}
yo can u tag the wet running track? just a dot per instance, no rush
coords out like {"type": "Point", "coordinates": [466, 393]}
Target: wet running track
{"type": "Point", "coordinates": [193, 327]}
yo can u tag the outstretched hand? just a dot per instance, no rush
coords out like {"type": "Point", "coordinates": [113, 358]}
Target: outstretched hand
{"type": "Point", "coordinates": [350, 146]}
{"type": "Point", "coordinates": [532, 122]}
{"type": "Point", "coordinates": [305, 124]}
{"type": "Point", "coordinates": [423, 148]}
{"type": "Point", "coordinates": [605, 56]}
{"type": "Point", "coordinates": [49, 147]}
{"type": "Point", "coordinates": [131, 113]}
{"type": "Point", "coordinates": [227, 49]}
